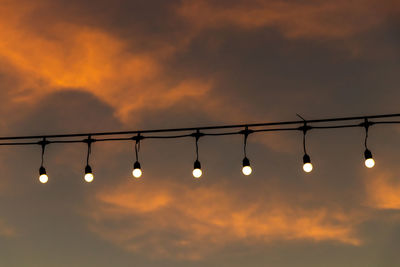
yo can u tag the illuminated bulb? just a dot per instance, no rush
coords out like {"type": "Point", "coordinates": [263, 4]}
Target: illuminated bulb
{"type": "Point", "coordinates": [369, 161]}
{"type": "Point", "coordinates": [43, 178]}
{"type": "Point", "coordinates": [88, 174]}
{"type": "Point", "coordinates": [137, 171]}
{"type": "Point", "coordinates": [307, 167]}
{"type": "Point", "coordinates": [246, 170]}
{"type": "Point", "coordinates": [197, 169]}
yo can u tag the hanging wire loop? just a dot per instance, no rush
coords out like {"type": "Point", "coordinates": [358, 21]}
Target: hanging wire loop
{"type": "Point", "coordinates": [197, 135]}
{"type": "Point", "coordinates": [246, 132]}
{"type": "Point", "coordinates": [43, 144]}
{"type": "Point", "coordinates": [305, 128]}
{"type": "Point", "coordinates": [137, 140]}
{"type": "Point", "coordinates": [89, 142]}
{"type": "Point", "coordinates": [366, 124]}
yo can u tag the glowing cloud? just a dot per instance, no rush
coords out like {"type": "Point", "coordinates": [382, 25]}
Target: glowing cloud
{"type": "Point", "coordinates": [172, 220]}
{"type": "Point", "coordinates": [383, 192]}
{"type": "Point", "coordinates": [68, 55]}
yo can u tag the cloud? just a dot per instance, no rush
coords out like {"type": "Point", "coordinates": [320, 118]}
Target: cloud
{"type": "Point", "coordinates": [66, 55]}
{"type": "Point", "coordinates": [294, 19]}
{"type": "Point", "coordinates": [166, 219]}
{"type": "Point", "coordinates": [383, 192]}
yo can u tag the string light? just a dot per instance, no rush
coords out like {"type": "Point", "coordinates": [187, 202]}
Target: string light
{"type": "Point", "coordinates": [137, 171]}
{"type": "Point", "coordinates": [89, 177]}
{"type": "Point", "coordinates": [369, 161]}
{"type": "Point", "coordinates": [246, 169]}
{"type": "Point", "coordinates": [43, 178]}
{"type": "Point", "coordinates": [307, 165]}
{"type": "Point", "coordinates": [88, 174]}
{"type": "Point", "coordinates": [197, 172]}
{"type": "Point", "coordinates": [209, 131]}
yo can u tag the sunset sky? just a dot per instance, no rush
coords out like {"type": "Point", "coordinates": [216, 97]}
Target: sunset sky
{"type": "Point", "coordinates": [71, 66]}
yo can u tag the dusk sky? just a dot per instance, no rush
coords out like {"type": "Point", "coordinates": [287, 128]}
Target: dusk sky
{"type": "Point", "coordinates": [87, 66]}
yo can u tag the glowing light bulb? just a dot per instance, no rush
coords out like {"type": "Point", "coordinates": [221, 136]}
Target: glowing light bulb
{"type": "Point", "coordinates": [89, 177]}
{"type": "Point", "coordinates": [369, 161]}
{"type": "Point", "coordinates": [307, 166]}
{"type": "Point", "coordinates": [43, 178]}
{"type": "Point", "coordinates": [137, 171]}
{"type": "Point", "coordinates": [197, 173]}
{"type": "Point", "coordinates": [88, 174]}
{"type": "Point", "coordinates": [246, 170]}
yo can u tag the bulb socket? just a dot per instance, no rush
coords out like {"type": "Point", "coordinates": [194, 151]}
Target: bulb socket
{"type": "Point", "coordinates": [88, 169]}
{"type": "Point", "coordinates": [367, 154]}
{"type": "Point", "coordinates": [246, 162]}
{"type": "Point", "coordinates": [42, 170]}
{"type": "Point", "coordinates": [136, 165]}
{"type": "Point", "coordinates": [197, 165]}
{"type": "Point", "coordinates": [306, 159]}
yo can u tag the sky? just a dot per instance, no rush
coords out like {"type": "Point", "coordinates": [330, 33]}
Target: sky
{"type": "Point", "coordinates": [86, 66]}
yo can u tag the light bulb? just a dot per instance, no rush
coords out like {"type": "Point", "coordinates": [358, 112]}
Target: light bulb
{"type": "Point", "coordinates": [137, 171]}
{"type": "Point", "coordinates": [43, 178]}
{"type": "Point", "coordinates": [88, 174]}
{"type": "Point", "coordinates": [197, 169]}
{"type": "Point", "coordinates": [307, 166]}
{"type": "Point", "coordinates": [246, 170]}
{"type": "Point", "coordinates": [197, 173]}
{"type": "Point", "coordinates": [369, 161]}
{"type": "Point", "coordinates": [89, 177]}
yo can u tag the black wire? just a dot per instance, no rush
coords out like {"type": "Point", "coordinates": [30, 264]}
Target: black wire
{"type": "Point", "coordinates": [113, 139]}
{"type": "Point", "coordinates": [305, 128]}
{"type": "Point", "coordinates": [89, 142]}
{"type": "Point", "coordinates": [66, 141]}
{"type": "Point", "coordinates": [197, 136]}
{"type": "Point", "coordinates": [275, 130]}
{"type": "Point", "coordinates": [336, 126]}
{"type": "Point", "coordinates": [43, 144]}
{"type": "Point", "coordinates": [246, 135]}
{"type": "Point", "coordinates": [137, 146]}
{"type": "Point", "coordinates": [168, 136]}
{"type": "Point", "coordinates": [222, 134]}
{"type": "Point", "coordinates": [18, 144]}
{"type": "Point", "coordinates": [201, 128]}
{"type": "Point", "coordinates": [366, 133]}
{"type": "Point", "coordinates": [388, 122]}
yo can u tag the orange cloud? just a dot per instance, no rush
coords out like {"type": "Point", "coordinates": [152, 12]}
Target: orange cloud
{"type": "Point", "coordinates": [172, 220]}
{"type": "Point", "coordinates": [383, 192]}
{"type": "Point", "coordinates": [65, 55]}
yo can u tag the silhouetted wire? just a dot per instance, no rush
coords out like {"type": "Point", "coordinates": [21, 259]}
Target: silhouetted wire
{"type": "Point", "coordinates": [201, 128]}
{"type": "Point", "coordinates": [386, 122]}
{"type": "Point", "coordinates": [204, 130]}
{"type": "Point", "coordinates": [167, 136]}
